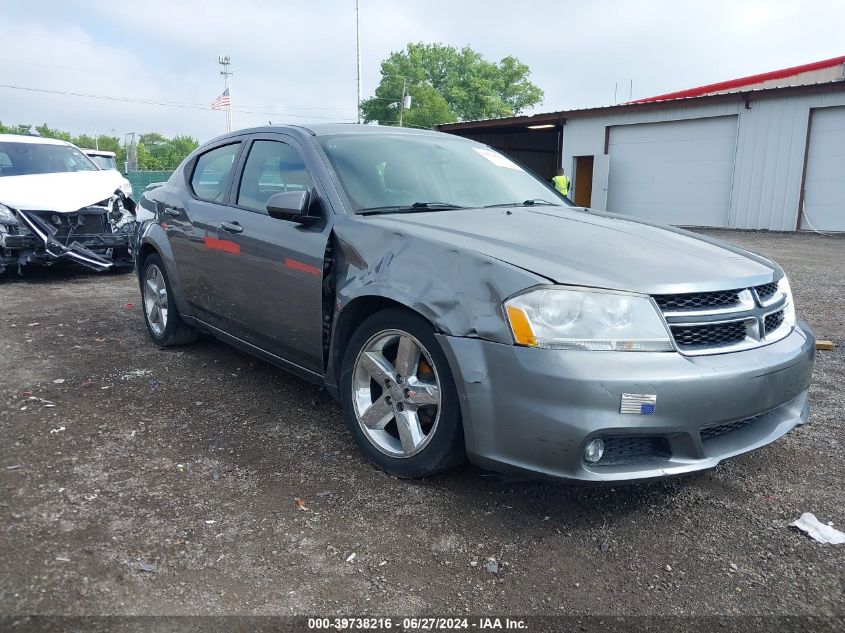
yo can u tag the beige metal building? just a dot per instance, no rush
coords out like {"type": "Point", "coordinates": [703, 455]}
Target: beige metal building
{"type": "Point", "coordinates": [760, 152]}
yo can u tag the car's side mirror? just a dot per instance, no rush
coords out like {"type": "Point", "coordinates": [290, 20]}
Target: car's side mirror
{"type": "Point", "coordinates": [292, 206]}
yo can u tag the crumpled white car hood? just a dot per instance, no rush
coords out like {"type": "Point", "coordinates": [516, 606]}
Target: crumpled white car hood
{"type": "Point", "coordinates": [62, 192]}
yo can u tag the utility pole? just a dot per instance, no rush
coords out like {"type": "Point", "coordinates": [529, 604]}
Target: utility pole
{"type": "Point", "coordinates": [225, 62]}
{"type": "Point", "coordinates": [402, 102]}
{"type": "Point", "coordinates": [131, 152]}
{"type": "Point", "coordinates": [358, 51]}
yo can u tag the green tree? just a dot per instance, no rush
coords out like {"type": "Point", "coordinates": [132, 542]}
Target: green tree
{"type": "Point", "coordinates": [153, 141]}
{"type": "Point", "coordinates": [447, 84]}
{"type": "Point", "coordinates": [48, 132]}
{"type": "Point", "coordinates": [155, 151]}
{"type": "Point", "coordinates": [84, 141]}
{"type": "Point", "coordinates": [160, 152]}
{"type": "Point", "coordinates": [177, 149]}
{"type": "Point", "coordinates": [146, 160]}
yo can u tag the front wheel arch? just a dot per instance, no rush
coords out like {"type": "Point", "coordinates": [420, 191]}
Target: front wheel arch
{"type": "Point", "coordinates": [154, 240]}
{"type": "Point", "coordinates": [348, 320]}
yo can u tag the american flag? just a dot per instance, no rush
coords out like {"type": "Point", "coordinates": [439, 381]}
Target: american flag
{"type": "Point", "coordinates": [223, 101]}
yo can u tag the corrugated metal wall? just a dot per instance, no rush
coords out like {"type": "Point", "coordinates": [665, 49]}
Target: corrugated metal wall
{"type": "Point", "coordinates": [771, 139]}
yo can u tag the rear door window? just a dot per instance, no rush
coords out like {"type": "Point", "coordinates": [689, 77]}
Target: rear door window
{"type": "Point", "coordinates": [213, 171]}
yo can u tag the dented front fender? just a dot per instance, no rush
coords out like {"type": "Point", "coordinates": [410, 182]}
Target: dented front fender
{"type": "Point", "coordinates": [460, 292]}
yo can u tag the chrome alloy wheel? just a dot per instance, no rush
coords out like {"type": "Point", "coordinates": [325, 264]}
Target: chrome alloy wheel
{"type": "Point", "coordinates": [155, 299]}
{"type": "Point", "coordinates": [396, 393]}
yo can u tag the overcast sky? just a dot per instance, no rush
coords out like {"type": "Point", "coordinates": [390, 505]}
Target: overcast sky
{"type": "Point", "coordinates": [294, 60]}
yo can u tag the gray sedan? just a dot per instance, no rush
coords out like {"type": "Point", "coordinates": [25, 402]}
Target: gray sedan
{"type": "Point", "coordinates": [458, 307]}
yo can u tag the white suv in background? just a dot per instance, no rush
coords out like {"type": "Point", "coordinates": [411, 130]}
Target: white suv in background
{"type": "Point", "coordinates": [105, 160]}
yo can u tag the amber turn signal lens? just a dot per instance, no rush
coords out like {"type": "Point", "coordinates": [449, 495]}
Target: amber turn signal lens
{"type": "Point", "coordinates": [521, 328]}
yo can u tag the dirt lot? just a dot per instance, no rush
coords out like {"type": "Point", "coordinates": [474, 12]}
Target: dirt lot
{"type": "Point", "coordinates": [164, 482]}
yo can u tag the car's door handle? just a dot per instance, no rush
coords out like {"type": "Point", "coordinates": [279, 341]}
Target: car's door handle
{"type": "Point", "coordinates": [172, 211]}
{"type": "Point", "coordinates": [231, 227]}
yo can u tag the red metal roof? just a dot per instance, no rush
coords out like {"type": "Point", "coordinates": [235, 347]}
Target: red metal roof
{"type": "Point", "coordinates": [744, 81]}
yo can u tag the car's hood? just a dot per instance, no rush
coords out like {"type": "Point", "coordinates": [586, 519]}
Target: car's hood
{"type": "Point", "coordinates": [576, 247]}
{"type": "Point", "coordinates": [62, 192]}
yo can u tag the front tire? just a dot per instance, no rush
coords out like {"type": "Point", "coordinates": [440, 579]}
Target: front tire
{"type": "Point", "coordinates": [399, 397]}
{"type": "Point", "coordinates": [164, 323]}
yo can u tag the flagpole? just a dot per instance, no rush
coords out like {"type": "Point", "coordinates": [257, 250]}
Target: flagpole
{"type": "Point", "coordinates": [225, 61]}
{"type": "Point", "coordinates": [358, 52]}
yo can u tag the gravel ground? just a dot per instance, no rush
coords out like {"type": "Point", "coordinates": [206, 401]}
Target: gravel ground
{"type": "Point", "coordinates": [164, 482]}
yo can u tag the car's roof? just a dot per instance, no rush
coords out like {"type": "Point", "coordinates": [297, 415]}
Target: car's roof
{"type": "Point", "coordinates": [97, 152]}
{"type": "Point", "coordinates": [329, 129]}
{"type": "Point", "coordinates": [24, 138]}
{"type": "Point", "coordinates": [326, 129]}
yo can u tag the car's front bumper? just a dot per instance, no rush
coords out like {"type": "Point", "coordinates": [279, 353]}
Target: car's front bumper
{"type": "Point", "coordinates": [86, 238]}
{"type": "Point", "coordinates": [535, 410]}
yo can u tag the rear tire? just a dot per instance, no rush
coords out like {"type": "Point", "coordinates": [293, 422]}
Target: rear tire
{"type": "Point", "coordinates": [164, 323]}
{"type": "Point", "coordinates": [399, 397]}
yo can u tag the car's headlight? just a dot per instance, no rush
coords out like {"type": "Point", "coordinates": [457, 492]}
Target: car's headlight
{"type": "Point", "coordinates": [562, 318]}
{"type": "Point", "coordinates": [789, 308]}
{"type": "Point", "coordinates": [6, 215]}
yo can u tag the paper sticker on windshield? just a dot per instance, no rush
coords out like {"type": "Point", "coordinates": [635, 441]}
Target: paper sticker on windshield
{"type": "Point", "coordinates": [497, 159]}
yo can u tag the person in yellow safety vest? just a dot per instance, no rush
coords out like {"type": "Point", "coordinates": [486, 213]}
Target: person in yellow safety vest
{"type": "Point", "coordinates": [561, 182]}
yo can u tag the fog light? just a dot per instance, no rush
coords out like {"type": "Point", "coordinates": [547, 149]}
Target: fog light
{"type": "Point", "coordinates": [594, 451]}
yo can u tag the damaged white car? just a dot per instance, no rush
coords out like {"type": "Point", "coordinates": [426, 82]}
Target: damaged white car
{"type": "Point", "coordinates": [57, 205]}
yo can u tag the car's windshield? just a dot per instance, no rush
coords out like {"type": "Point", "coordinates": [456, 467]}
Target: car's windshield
{"type": "Point", "coordinates": [21, 159]}
{"type": "Point", "coordinates": [396, 171]}
{"type": "Point", "coordinates": [104, 162]}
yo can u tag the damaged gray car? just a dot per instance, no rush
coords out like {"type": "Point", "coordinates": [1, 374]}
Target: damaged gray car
{"type": "Point", "coordinates": [458, 307]}
{"type": "Point", "coordinates": [56, 205]}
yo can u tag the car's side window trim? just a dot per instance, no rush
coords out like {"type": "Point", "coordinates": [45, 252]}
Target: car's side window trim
{"type": "Point", "coordinates": [238, 174]}
{"type": "Point", "coordinates": [237, 182]}
{"type": "Point", "coordinates": [227, 187]}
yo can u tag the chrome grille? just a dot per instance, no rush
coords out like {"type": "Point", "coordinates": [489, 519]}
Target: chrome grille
{"type": "Point", "coordinates": [697, 300]}
{"type": "Point", "coordinates": [766, 291]}
{"type": "Point", "coordinates": [773, 321]}
{"type": "Point", "coordinates": [720, 321]}
{"type": "Point", "coordinates": [707, 335]}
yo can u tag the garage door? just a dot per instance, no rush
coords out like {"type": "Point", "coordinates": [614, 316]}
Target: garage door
{"type": "Point", "coordinates": [677, 172]}
{"type": "Point", "coordinates": [824, 187]}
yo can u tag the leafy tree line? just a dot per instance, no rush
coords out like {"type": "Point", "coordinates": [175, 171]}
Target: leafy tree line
{"type": "Point", "coordinates": [155, 152]}
{"type": "Point", "coordinates": [448, 84]}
